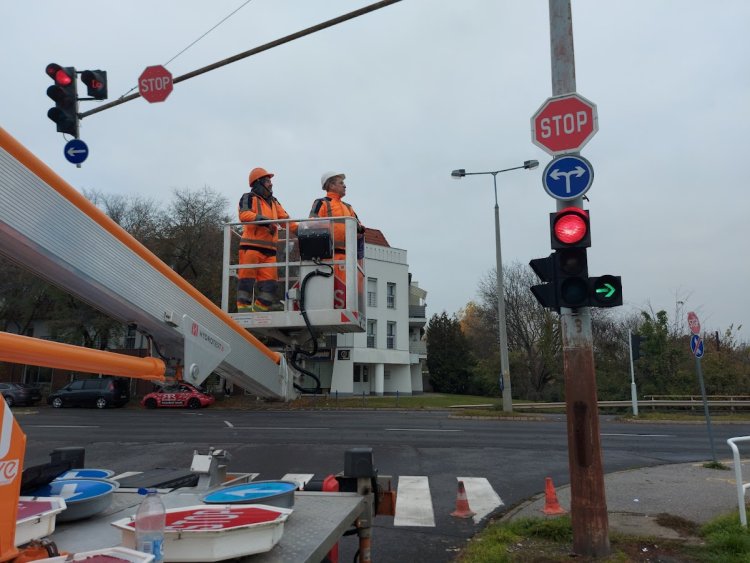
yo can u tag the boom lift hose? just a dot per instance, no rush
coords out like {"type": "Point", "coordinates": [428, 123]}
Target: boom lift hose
{"type": "Point", "coordinates": [297, 349]}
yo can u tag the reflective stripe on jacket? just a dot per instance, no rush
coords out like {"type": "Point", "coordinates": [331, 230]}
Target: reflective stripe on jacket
{"type": "Point", "coordinates": [254, 208]}
{"type": "Point", "coordinates": [333, 206]}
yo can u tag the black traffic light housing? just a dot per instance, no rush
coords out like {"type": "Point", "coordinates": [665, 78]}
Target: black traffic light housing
{"type": "Point", "coordinates": [96, 83]}
{"type": "Point", "coordinates": [64, 92]}
{"type": "Point", "coordinates": [635, 345]}
{"type": "Point", "coordinates": [565, 271]}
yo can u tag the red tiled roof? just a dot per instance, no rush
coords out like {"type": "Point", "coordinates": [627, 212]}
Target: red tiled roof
{"type": "Point", "coordinates": [374, 236]}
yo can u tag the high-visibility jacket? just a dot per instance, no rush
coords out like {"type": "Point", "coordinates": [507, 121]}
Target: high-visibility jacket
{"type": "Point", "coordinates": [255, 208]}
{"type": "Point", "coordinates": [333, 206]}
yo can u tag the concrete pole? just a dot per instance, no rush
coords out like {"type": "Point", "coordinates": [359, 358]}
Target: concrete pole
{"type": "Point", "coordinates": [588, 503]}
{"type": "Point", "coordinates": [633, 391]}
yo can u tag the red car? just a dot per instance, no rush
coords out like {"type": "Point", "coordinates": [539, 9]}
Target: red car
{"type": "Point", "coordinates": [179, 394]}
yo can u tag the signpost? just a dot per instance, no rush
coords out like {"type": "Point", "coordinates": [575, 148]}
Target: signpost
{"type": "Point", "coordinates": [568, 177]}
{"type": "Point", "coordinates": [155, 84]}
{"type": "Point", "coordinates": [696, 347]}
{"type": "Point", "coordinates": [564, 124]}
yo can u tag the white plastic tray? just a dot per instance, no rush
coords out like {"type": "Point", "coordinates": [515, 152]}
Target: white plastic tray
{"type": "Point", "coordinates": [207, 533]}
{"type": "Point", "coordinates": [36, 517]}
{"type": "Point", "coordinates": [129, 555]}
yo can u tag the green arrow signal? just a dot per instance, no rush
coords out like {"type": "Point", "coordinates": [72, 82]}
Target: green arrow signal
{"type": "Point", "coordinates": [608, 290]}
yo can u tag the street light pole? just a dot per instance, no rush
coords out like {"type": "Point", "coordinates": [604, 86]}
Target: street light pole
{"type": "Point", "coordinates": [504, 379]}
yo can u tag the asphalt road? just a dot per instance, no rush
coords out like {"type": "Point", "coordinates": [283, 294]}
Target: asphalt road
{"type": "Point", "coordinates": [514, 456]}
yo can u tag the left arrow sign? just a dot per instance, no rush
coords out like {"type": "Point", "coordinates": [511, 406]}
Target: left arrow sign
{"type": "Point", "coordinates": [76, 151]}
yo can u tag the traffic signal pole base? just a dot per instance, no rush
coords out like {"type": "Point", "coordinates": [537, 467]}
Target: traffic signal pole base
{"type": "Point", "coordinates": [588, 505]}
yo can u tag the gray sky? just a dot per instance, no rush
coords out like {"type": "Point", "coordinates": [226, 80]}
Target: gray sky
{"type": "Point", "coordinates": [399, 98]}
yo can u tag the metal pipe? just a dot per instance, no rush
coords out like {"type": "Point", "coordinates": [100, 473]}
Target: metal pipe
{"type": "Point", "coordinates": [20, 349]}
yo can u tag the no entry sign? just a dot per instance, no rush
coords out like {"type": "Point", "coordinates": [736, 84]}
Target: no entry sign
{"type": "Point", "coordinates": [564, 124]}
{"type": "Point", "coordinates": [155, 84]}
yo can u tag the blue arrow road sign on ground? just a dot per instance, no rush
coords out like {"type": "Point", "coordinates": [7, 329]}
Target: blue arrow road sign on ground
{"type": "Point", "coordinates": [568, 177]}
{"type": "Point", "coordinates": [696, 346]}
{"type": "Point", "coordinates": [76, 151]}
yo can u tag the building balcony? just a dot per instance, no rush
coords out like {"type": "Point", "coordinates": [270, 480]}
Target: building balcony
{"type": "Point", "coordinates": [419, 348]}
{"type": "Point", "coordinates": [417, 315]}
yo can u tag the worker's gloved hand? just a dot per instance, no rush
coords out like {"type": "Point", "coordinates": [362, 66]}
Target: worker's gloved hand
{"type": "Point", "coordinates": [271, 228]}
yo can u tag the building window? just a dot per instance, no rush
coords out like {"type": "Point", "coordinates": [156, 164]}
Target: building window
{"type": "Point", "coordinates": [372, 292]}
{"type": "Point", "coordinates": [391, 336]}
{"type": "Point", "coordinates": [372, 328]}
{"type": "Point", "coordinates": [130, 338]}
{"type": "Point", "coordinates": [391, 296]}
{"type": "Point", "coordinates": [386, 373]}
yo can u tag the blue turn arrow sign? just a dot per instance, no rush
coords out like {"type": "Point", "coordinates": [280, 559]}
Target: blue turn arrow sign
{"type": "Point", "coordinates": [696, 346]}
{"type": "Point", "coordinates": [568, 177]}
{"type": "Point", "coordinates": [76, 151]}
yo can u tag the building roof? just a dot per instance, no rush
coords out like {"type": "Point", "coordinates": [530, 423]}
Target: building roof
{"type": "Point", "coordinates": [374, 236]}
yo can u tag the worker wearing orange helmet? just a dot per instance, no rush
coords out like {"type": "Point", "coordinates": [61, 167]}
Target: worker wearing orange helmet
{"type": "Point", "coordinates": [256, 287]}
{"type": "Point", "coordinates": [332, 205]}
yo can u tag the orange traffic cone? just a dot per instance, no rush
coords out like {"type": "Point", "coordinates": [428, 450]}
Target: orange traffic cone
{"type": "Point", "coordinates": [551, 506]}
{"type": "Point", "coordinates": [462, 503]}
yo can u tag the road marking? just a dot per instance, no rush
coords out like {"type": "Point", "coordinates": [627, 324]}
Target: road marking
{"type": "Point", "coordinates": [300, 478]}
{"type": "Point", "coordinates": [229, 424]}
{"type": "Point", "coordinates": [58, 426]}
{"type": "Point", "coordinates": [420, 430]}
{"type": "Point", "coordinates": [280, 428]}
{"type": "Point", "coordinates": [413, 502]}
{"type": "Point", "coordinates": [642, 435]}
{"type": "Point", "coordinates": [125, 474]}
{"type": "Point", "coordinates": [481, 496]}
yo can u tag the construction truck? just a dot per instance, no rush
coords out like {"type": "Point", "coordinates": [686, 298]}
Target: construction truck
{"type": "Point", "coordinates": [90, 256]}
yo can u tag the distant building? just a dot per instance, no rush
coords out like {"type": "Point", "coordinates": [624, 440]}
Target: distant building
{"type": "Point", "coordinates": [390, 356]}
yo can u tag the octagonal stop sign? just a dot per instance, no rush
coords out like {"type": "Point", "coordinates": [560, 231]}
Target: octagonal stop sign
{"type": "Point", "coordinates": [564, 124]}
{"type": "Point", "coordinates": [155, 84]}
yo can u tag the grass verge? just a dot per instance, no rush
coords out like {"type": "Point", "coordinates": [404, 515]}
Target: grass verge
{"type": "Point", "coordinates": [537, 540]}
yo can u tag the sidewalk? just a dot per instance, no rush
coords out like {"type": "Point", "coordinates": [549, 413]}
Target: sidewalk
{"type": "Point", "coordinates": [635, 497]}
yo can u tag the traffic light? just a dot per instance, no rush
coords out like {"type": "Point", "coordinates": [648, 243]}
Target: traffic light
{"type": "Point", "coordinates": [96, 83]}
{"type": "Point", "coordinates": [65, 94]}
{"type": "Point", "coordinates": [545, 293]}
{"type": "Point", "coordinates": [605, 291]}
{"type": "Point", "coordinates": [635, 345]}
{"type": "Point", "coordinates": [571, 235]}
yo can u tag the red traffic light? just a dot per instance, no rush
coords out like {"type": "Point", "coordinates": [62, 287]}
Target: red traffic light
{"type": "Point", "coordinates": [60, 75]}
{"type": "Point", "coordinates": [96, 83]}
{"type": "Point", "coordinates": [570, 227]}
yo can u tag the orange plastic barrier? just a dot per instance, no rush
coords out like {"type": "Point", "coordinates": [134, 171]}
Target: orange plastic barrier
{"type": "Point", "coordinates": [20, 349]}
{"type": "Point", "coordinates": [12, 448]}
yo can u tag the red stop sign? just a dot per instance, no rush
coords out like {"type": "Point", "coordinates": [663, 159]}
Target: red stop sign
{"type": "Point", "coordinates": [693, 323]}
{"type": "Point", "coordinates": [155, 84]}
{"type": "Point", "coordinates": [564, 124]}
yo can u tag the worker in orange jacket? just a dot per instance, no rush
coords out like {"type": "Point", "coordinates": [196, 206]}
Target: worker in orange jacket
{"type": "Point", "coordinates": [256, 287]}
{"type": "Point", "coordinates": [332, 205]}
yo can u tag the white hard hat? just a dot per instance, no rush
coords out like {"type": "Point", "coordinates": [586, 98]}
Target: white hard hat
{"type": "Point", "coordinates": [328, 175]}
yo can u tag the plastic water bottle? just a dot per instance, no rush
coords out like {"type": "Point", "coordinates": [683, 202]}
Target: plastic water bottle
{"type": "Point", "coordinates": [150, 521]}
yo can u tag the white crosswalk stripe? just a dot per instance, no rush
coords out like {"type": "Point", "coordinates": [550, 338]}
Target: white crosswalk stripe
{"type": "Point", "coordinates": [413, 502]}
{"type": "Point", "coordinates": [481, 496]}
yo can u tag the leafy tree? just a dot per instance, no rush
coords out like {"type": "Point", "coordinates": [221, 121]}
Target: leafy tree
{"type": "Point", "coordinates": [449, 360]}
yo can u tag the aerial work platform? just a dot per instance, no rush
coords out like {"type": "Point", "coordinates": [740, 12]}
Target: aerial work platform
{"type": "Point", "coordinates": [49, 228]}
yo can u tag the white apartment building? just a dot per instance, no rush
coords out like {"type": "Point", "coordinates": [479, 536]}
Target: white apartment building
{"type": "Point", "coordinates": [389, 358]}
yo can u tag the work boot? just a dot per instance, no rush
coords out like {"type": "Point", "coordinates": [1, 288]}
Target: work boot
{"type": "Point", "coordinates": [244, 307]}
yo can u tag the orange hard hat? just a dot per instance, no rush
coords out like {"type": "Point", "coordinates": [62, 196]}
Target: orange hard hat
{"type": "Point", "coordinates": [256, 173]}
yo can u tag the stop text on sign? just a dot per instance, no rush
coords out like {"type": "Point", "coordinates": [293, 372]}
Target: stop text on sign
{"type": "Point", "coordinates": [564, 124]}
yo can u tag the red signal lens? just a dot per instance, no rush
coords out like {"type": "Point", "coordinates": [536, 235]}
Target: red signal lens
{"type": "Point", "coordinates": [571, 226]}
{"type": "Point", "coordinates": [62, 78]}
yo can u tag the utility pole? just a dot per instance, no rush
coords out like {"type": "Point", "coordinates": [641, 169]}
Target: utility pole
{"type": "Point", "coordinates": [588, 503]}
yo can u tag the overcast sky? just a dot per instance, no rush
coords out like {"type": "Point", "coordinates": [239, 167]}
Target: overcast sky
{"type": "Point", "coordinates": [398, 98]}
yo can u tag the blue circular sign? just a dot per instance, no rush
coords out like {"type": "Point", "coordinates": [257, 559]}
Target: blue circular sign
{"type": "Point", "coordinates": [696, 346]}
{"type": "Point", "coordinates": [568, 177]}
{"type": "Point", "coordinates": [249, 493]}
{"type": "Point", "coordinates": [76, 490]}
{"type": "Point", "coordinates": [76, 151]}
{"type": "Point", "coordinates": [85, 474]}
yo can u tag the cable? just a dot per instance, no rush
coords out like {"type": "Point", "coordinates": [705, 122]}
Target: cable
{"type": "Point", "coordinates": [297, 350]}
{"type": "Point", "coordinates": [194, 42]}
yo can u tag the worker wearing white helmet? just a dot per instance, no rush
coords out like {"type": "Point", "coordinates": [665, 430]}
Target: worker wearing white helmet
{"type": "Point", "coordinates": [332, 205]}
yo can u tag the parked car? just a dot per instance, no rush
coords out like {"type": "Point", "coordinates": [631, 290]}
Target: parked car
{"type": "Point", "coordinates": [96, 392]}
{"type": "Point", "coordinates": [179, 394]}
{"type": "Point", "coordinates": [20, 394]}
